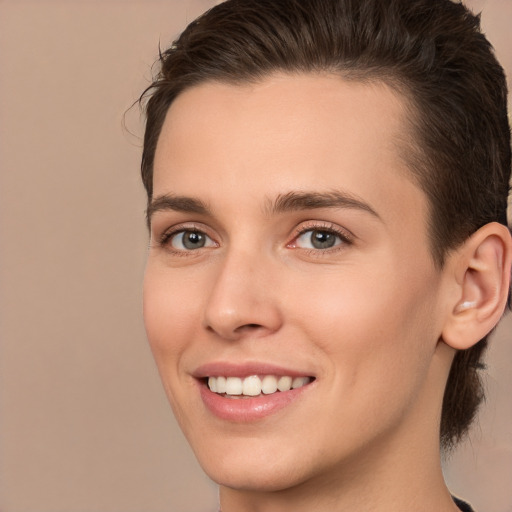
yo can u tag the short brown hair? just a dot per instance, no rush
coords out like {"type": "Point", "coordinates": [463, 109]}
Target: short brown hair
{"type": "Point", "coordinates": [432, 51]}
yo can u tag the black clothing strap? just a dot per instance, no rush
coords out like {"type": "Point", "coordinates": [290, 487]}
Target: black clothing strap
{"type": "Point", "coordinates": [463, 506]}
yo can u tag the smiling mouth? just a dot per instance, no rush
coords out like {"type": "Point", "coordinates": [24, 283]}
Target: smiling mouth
{"type": "Point", "coordinates": [254, 385]}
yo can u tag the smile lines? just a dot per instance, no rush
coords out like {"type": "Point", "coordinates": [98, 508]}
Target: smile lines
{"type": "Point", "coordinates": [254, 385]}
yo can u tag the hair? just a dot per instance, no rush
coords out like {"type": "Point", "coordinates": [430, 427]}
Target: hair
{"type": "Point", "coordinates": [431, 51]}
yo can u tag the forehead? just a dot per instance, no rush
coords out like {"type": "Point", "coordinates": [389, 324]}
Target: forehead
{"type": "Point", "coordinates": [285, 109]}
{"type": "Point", "coordinates": [224, 141]}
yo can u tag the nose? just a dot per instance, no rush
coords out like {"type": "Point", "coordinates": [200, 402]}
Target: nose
{"type": "Point", "coordinates": [243, 301]}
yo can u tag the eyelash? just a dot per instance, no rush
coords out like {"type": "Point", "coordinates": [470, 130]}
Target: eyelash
{"type": "Point", "coordinates": [345, 238]}
{"type": "Point", "coordinates": [166, 238]}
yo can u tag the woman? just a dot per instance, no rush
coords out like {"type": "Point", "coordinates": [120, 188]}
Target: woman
{"type": "Point", "coordinates": [327, 185]}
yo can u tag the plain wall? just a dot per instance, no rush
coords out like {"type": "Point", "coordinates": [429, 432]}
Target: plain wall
{"type": "Point", "coordinates": [84, 423]}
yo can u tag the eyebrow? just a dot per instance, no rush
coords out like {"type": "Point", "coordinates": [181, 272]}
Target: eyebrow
{"type": "Point", "coordinates": [296, 201]}
{"type": "Point", "coordinates": [171, 202]}
{"type": "Point", "coordinates": [291, 201]}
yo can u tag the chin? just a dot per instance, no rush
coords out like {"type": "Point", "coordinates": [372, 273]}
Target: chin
{"type": "Point", "coordinates": [263, 470]}
{"type": "Point", "coordinates": [256, 479]}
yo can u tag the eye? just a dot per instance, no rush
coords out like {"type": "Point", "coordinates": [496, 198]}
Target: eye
{"type": "Point", "coordinates": [189, 240]}
{"type": "Point", "coordinates": [320, 238]}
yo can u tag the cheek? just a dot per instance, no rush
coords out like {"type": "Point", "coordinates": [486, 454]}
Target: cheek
{"type": "Point", "coordinates": [170, 315]}
{"type": "Point", "coordinates": [374, 340]}
{"type": "Point", "coordinates": [372, 325]}
{"type": "Point", "coordinates": [343, 303]}
{"type": "Point", "coordinates": [171, 319]}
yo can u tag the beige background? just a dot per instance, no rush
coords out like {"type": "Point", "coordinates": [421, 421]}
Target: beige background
{"type": "Point", "coordinates": [84, 422]}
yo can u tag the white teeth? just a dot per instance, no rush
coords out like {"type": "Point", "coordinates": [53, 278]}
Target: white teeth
{"type": "Point", "coordinates": [251, 386]}
{"type": "Point", "coordinates": [221, 384]}
{"type": "Point", "coordinates": [233, 386]}
{"type": "Point", "coordinates": [254, 385]}
{"type": "Point", "coordinates": [284, 384]}
{"type": "Point", "coordinates": [269, 384]}
{"type": "Point", "coordinates": [298, 382]}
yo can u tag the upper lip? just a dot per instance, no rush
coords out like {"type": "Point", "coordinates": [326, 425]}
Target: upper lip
{"type": "Point", "coordinates": [229, 369]}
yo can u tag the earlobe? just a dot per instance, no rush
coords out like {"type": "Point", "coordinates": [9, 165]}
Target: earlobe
{"type": "Point", "coordinates": [482, 272]}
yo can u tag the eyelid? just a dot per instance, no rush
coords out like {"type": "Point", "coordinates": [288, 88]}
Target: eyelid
{"type": "Point", "coordinates": [346, 236]}
{"type": "Point", "coordinates": [164, 239]}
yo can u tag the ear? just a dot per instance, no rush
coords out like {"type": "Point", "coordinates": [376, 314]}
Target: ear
{"type": "Point", "coordinates": [481, 272]}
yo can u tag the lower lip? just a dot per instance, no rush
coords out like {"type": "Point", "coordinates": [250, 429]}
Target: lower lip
{"type": "Point", "coordinates": [245, 410]}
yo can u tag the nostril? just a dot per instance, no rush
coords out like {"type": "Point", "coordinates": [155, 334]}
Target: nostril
{"type": "Point", "coordinates": [248, 327]}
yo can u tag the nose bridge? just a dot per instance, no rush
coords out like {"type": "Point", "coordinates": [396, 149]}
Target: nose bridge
{"type": "Point", "coordinates": [241, 298]}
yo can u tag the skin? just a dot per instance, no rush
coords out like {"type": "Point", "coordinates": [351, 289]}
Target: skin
{"type": "Point", "coordinates": [365, 317]}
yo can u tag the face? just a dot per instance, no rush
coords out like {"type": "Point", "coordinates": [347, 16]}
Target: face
{"type": "Point", "coordinates": [289, 248]}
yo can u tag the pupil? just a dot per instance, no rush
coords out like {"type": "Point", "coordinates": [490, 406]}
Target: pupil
{"type": "Point", "coordinates": [193, 240]}
{"type": "Point", "coordinates": [322, 239]}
